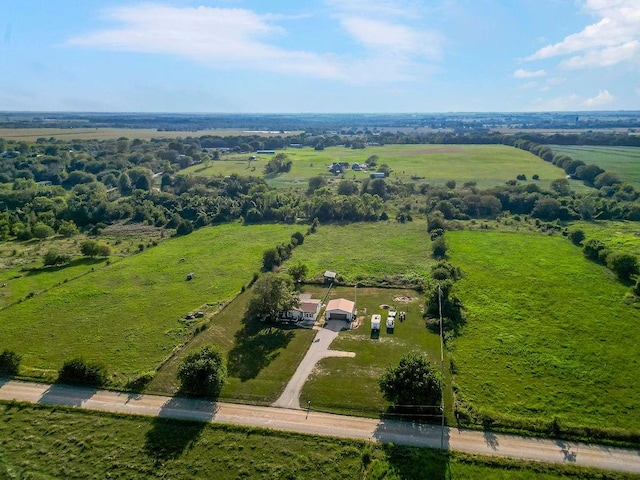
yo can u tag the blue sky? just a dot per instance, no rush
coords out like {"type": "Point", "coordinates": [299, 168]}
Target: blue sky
{"type": "Point", "coordinates": [243, 56]}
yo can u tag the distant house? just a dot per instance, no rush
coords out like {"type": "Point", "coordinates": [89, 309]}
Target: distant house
{"type": "Point", "coordinates": [355, 167]}
{"type": "Point", "coordinates": [295, 145]}
{"type": "Point", "coordinates": [266, 152]}
{"type": "Point", "coordinates": [308, 309]}
{"type": "Point", "coordinates": [377, 175]}
{"type": "Point", "coordinates": [336, 168]}
{"type": "Point", "coordinates": [340, 309]}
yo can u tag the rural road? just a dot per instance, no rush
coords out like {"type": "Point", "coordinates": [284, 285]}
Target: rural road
{"type": "Point", "coordinates": [295, 420]}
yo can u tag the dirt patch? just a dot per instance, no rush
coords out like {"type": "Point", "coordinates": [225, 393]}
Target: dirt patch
{"type": "Point", "coordinates": [357, 323]}
{"type": "Point", "coordinates": [401, 299]}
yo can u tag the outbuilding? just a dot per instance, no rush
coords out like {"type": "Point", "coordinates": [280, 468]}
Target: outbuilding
{"type": "Point", "coordinates": [340, 309]}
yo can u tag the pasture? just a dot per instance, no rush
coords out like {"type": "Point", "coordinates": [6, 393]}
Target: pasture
{"type": "Point", "coordinates": [625, 161]}
{"type": "Point", "coordinates": [368, 252]}
{"type": "Point", "coordinates": [32, 134]}
{"type": "Point", "coordinates": [46, 442]}
{"type": "Point", "coordinates": [350, 385]}
{"type": "Point", "coordinates": [548, 334]}
{"type": "Point", "coordinates": [617, 236]}
{"type": "Point", "coordinates": [129, 315]}
{"type": "Point", "coordinates": [487, 165]}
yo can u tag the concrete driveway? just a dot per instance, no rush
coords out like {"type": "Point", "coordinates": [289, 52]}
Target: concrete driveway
{"type": "Point", "coordinates": [318, 350]}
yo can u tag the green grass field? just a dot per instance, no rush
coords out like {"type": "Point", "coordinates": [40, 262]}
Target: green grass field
{"type": "Point", "coordinates": [261, 360]}
{"type": "Point", "coordinates": [45, 442]}
{"type": "Point", "coordinates": [349, 385]}
{"type": "Point", "coordinates": [488, 165]}
{"type": "Point", "coordinates": [548, 334]}
{"type": "Point", "coordinates": [617, 236]}
{"type": "Point", "coordinates": [362, 251]}
{"type": "Point", "coordinates": [625, 161]}
{"type": "Point", "coordinates": [129, 315]}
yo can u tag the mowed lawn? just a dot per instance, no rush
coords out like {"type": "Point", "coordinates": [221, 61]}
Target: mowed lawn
{"type": "Point", "coordinates": [361, 251]}
{"type": "Point", "coordinates": [625, 161]}
{"type": "Point", "coordinates": [128, 315]}
{"type": "Point", "coordinates": [350, 385]}
{"type": "Point", "coordinates": [487, 165]}
{"type": "Point", "coordinates": [548, 333]}
{"type": "Point", "coordinates": [261, 358]}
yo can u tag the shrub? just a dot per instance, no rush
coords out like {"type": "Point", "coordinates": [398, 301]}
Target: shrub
{"type": "Point", "coordinates": [439, 247]}
{"type": "Point", "coordinates": [576, 236]}
{"type": "Point", "coordinates": [594, 250]}
{"type": "Point", "coordinates": [79, 372]}
{"type": "Point", "coordinates": [53, 257]}
{"type": "Point", "coordinates": [203, 372]}
{"type": "Point", "coordinates": [623, 264]}
{"type": "Point", "coordinates": [9, 363]}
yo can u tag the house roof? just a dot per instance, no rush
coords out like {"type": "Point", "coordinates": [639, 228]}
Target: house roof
{"type": "Point", "coordinates": [341, 304]}
{"type": "Point", "coordinates": [330, 274]}
{"type": "Point", "coordinates": [310, 305]}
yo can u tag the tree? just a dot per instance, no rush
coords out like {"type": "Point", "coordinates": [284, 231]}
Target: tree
{"type": "Point", "coordinates": [270, 259]}
{"type": "Point", "coordinates": [53, 257]}
{"type": "Point", "coordinates": [124, 183]}
{"type": "Point", "coordinates": [414, 382]}
{"type": "Point", "coordinates": [91, 248]}
{"type": "Point", "coordinates": [561, 186]}
{"type": "Point", "coordinates": [297, 271]}
{"type": "Point", "coordinates": [271, 294]}
{"type": "Point", "coordinates": [439, 247]}
{"type": "Point", "coordinates": [347, 187]}
{"type": "Point", "coordinates": [594, 250]}
{"type": "Point", "coordinates": [9, 363]}
{"type": "Point", "coordinates": [78, 371]}
{"type": "Point", "coordinates": [42, 230]}
{"type": "Point", "coordinates": [298, 237]}
{"type": "Point", "coordinates": [203, 372]}
{"type": "Point", "coordinates": [623, 264]}
{"type": "Point", "coordinates": [451, 184]}
{"type": "Point", "coordinates": [315, 183]}
{"type": "Point", "coordinates": [576, 236]}
{"type": "Point", "coordinates": [68, 228]}
{"type": "Point", "coordinates": [384, 168]}
{"type": "Point", "coordinates": [372, 161]}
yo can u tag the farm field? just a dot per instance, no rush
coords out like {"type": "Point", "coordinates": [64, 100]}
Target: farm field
{"type": "Point", "coordinates": [548, 334]}
{"type": "Point", "coordinates": [487, 165]}
{"type": "Point", "coordinates": [261, 360]}
{"type": "Point", "coordinates": [368, 251]}
{"type": "Point", "coordinates": [44, 442]}
{"type": "Point", "coordinates": [625, 161]}
{"type": "Point", "coordinates": [129, 315]}
{"type": "Point", "coordinates": [32, 134]}
{"type": "Point", "coordinates": [349, 385]}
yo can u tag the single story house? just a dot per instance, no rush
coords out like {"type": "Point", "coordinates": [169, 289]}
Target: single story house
{"type": "Point", "coordinates": [340, 309]}
{"type": "Point", "coordinates": [307, 309]}
{"type": "Point", "coordinates": [330, 276]}
{"type": "Point", "coordinates": [355, 167]}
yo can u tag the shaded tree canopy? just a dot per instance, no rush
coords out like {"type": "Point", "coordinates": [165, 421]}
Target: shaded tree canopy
{"type": "Point", "coordinates": [271, 294]}
{"type": "Point", "coordinates": [413, 382]}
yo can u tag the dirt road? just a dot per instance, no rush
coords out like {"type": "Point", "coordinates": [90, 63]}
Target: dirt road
{"type": "Point", "coordinates": [485, 443]}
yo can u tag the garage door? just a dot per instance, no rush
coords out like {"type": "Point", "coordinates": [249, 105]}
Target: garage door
{"type": "Point", "coordinates": [337, 316]}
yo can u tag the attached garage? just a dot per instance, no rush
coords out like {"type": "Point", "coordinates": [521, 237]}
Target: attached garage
{"type": "Point", "coordinates": [340, 309]}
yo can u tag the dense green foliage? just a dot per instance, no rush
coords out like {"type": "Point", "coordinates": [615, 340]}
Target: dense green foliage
{"type": "Point", "coordinates": [414, 383]}
{"type": "Point", "coordinates": [203, 372]}
{"type": "Point", "coordinates": [80, 372]}
{"type": "Point", "coordinates": [272, 294]}
{"type": "Point", "coordinates": [9, 362]}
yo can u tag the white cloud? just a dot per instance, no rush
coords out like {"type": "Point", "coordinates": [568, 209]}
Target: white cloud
{"type": "Point", "coordinates": [573, 102]}
{"type": "Point", "coordinates": [240, 38]}
{"type": "Point", "coordinates": [602, 98]}
{"type": "Point", "coordinates": [522, 73]}
{"type": "Point", "coordinates": [611, 40]}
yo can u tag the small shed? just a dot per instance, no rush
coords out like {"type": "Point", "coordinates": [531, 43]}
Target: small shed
{"type": "Point", "coordinates": [330, 276]}
{"type": "Point", "coordinates": [340, 309]}
{"type": "Point", "coordinates": [376, 319]}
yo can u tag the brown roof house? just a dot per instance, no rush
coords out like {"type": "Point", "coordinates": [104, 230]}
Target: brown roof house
{"type": "Point", "coordinates": [307, 310]}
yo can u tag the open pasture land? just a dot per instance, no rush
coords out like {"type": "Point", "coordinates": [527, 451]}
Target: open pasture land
{"type": "Point", "coordinates": [32, 134]}
{"type": "Point", "coordinates": [617, 236]}
{"type": "Point", "coordinates": [624, 161]}
{"type": "Point", "coordinates": [45, 442]}
{"type": "Point", "coordinates": [350, 385]}
{"type": "Point", "coordinates": [261, 358]}
{"type": "Point", "coordinates": [368, 251]}
{"type": "Point", "coordinates": [128, 315]}
{"type": "Point", "coordinates": [548, 334]}
{"type": "Point", "coordinates": [487, 165]}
